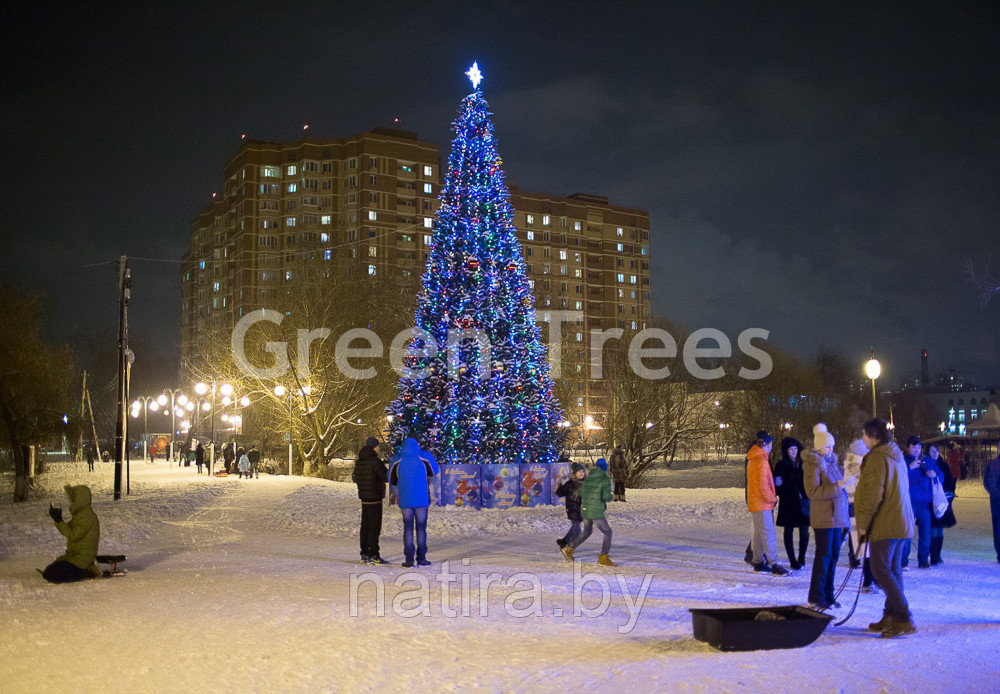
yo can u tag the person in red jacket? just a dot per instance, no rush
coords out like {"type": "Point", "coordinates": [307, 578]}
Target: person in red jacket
{"type": "Point", "coordinates": [761, 498]}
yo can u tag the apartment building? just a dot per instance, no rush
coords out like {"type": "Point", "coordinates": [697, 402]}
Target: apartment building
{"type": "Point", "coordinates": [365, 204]}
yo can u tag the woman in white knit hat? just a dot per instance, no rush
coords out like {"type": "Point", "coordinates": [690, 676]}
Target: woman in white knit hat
{"type": "Point", "coordinates": [828, 514]}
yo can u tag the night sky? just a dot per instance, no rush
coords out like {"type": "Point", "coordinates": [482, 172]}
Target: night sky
{"type": "Point", "coordinates": [822, 172]}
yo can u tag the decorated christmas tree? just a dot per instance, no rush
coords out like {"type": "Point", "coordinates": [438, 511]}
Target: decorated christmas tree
{"type": "Point", "coordinates": [487, 399]}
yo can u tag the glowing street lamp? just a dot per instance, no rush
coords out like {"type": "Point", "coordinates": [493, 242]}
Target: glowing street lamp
{"type": "Point", "coordinates": [873, 370]}
{"type": "Point", "coordinates": [280, 391]}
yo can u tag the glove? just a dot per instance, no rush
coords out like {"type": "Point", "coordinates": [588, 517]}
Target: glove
{"type": "Point", "coordinates": [56, 513]}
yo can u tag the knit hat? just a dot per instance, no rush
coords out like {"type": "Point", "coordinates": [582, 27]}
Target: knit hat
{"type": "Point", "coordinates": [576, 467]}
{"type": "Point", "coordinates": [602, 463]}
{"type": "Point", "coordinates": [763, 438]}
{"type": "Point", "coordinates": [858, 448]}
{"type": "Point", "coordinates": [821, 437]}
{"type": "Point", "coordinates": [371, 442]}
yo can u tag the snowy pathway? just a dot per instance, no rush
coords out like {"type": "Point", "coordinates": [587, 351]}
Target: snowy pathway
{"type": "Point", "coordinates": [246, 585]}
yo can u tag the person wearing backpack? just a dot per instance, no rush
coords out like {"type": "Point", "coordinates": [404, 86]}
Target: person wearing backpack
{"type": "Point", "coordinates": [594, 497]}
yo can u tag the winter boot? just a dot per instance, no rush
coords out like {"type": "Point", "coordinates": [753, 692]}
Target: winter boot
{"type": "Point", "coordinates": [777, 570]}
{"type": "Point", "coordinates": [568, 553]}
{"type": "Point", "coordinates": [561, 541]}
{"type": "Point", "coordinates": [763, 566]}
{"type": "Point", "coordinates": [748, 555]}
{"type": "Point", "coordinates": [936, 544]}
{"type": "Point", "coordinates": [881, 624]}
{"type": "Point", "coordinates": [898, 627]}
{"type": "Point", "coordinates": [95, 570]}
{"type": "Point", "coordinates": [605, 560]}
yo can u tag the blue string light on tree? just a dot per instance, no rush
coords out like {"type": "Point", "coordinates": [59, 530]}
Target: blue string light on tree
{"type": "Point", "coordinates": [475, 283]}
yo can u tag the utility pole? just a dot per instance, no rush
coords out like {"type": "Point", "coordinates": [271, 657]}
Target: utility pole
{"type": "Point", "coordinates": [124, 294]}
{"type": "Point", "coordinates": [80, 455]}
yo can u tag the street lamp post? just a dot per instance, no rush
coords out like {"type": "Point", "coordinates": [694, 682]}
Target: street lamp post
{"type": "Point", "coordinates": [143, 402]}
{"type": "Point", "coordinates": [873, 370]}
{"type": "Point", "coordinates": [201, 388]}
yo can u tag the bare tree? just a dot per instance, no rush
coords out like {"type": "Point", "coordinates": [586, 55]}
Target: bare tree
{"type": "Point", "coordinates": [34, 382]}
{"type": "Point", "coordinates": [323, 410]}
{"type": "Point", "coordinates": [984, 282]}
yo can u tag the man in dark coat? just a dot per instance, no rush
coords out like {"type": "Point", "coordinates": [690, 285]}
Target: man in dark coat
{"type": "Point", "coordinates": [90, 458]}
{"type": "Point", "coordinates": [254, 456]}
{"type": "Point", "coordinates": [228, 455]}
{"type": "Point", "coordinates": [370, 476]}
{"type": "Point", "coordinates": [570, 488]}
{"type": "Point", "coordinates": [199, 456]}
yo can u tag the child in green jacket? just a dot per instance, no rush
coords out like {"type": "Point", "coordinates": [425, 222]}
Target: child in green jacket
{"type": "Point", "coordinates": [594, 497]}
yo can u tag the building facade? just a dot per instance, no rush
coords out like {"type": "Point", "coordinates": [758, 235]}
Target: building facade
{"type": "Point", "coordinates": [365, 205]}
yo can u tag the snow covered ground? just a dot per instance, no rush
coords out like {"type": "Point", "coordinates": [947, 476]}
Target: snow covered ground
{"type": "Point", "coordinates": [247, 585]}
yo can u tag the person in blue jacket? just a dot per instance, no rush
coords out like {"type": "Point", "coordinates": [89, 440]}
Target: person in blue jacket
{"type": "Point", "coordinates": [412, 468]}
{"type": "Point", "coordinates": [922, 473]}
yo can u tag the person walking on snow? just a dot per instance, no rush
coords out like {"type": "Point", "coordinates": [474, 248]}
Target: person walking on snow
{"type": "Point", "coordinates": [885, 519]}
{"type": "Point", "coordinates": [243, 464]}
{"type": "Point", "coordinates": [853, 459]}
{"type": "Point", "coordinates": [254, 456]}
{"type": "Point", "coordinates": [82, 533]}
{"type": "Point", "coordinates": [570, 489]}
{"type": "Point", "coordinates": [594, 497]}
{"type": "Point", "coordinates": [90, 458]}
{"type": "Point", "coordinates": [761, 499]}
{"type": "Point", "coordinates": [991, 482]}
{"type": "Point", "coordinates": [947, 519]}
{"type": "Point", "coordinates": [411, 472]}
{"type": "Point", "coordinates": [619, 473]}
{"type": "Point", "coordinates": [370, 476]}
{"type": "Point", "coordinates": [828, 514]}
{"type": "Point", "coordinates": [199, 456]}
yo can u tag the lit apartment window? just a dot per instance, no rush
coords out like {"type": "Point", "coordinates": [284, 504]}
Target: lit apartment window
{"type": "Point", "coordinates": [405, 237]}
{"type": "Point", "coordinates": [621, 247]}
{"type": "Point", "coordinates": [406, 168]}
{"type": "Point", "coordinates": [579, 305]}
{"type": "Point", "coordinates": [291, 170]}
{"type": "Point", "coordinates": [372, 216]}
{"type": "Point", "coordinates": [531, 284]}
{"type": "Point", "coordinates": [215, 286]}
{"type": "Point", "coordinates": [545, 220]}
{"type": "Point", "coordinates": [562, 255]}
{"type": "Point", "coordinates": [562, 270]}
{"type": "Point", "coordinates": [579, 337]}
{"type": "Point", "coordinates": [327, 255]}
{"type": "Point", "coordinates": [635, 326]}
{"type": "Point", "coordinates": [427, 239]}
{"type": "Point", "coordinates": [288, 274]}
{"type": "Point", "coordinates": [529, 219]}
{"type": "Point", "coordinates": [576, 226]}
{"type": "Point", "coordinates": [271, 172]}
{"type": "Point", "coordinates": [292, 187]}
{"type": "Point", "coordinates": [531, 235]}
{"type": "Point", "coordinates": [632, 279]}
{"type": "Point", "coordinates": [290, 221]}
{"type": "Point", "coordinates": [324, 237]}
{"type": "Point", "coordinates": [621, 277]}
{"type": "Point", "coordinates": [371, 270]}
{"type": "Point", "coordinates": [428, 171]}
{"type": "Point", "coordinates": [645, 250]}
{"type": "Point", "coordinates": [428, 188]}
{"type": "Point", "coordinates": [620, 232]}
{"type": "Point", "coordinates": [201, 265]}
{"type": "Point", "coordinates": [373, 251]}
{"type": "Point", "coordinates": [428, 222]}
{"type": "Point", "coordinates": [325, 219]}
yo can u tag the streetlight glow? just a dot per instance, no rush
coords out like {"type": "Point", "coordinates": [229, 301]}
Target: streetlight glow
{"type": "Point", "coordinates": [206, 406]}
{"type": "Point", "coordinates": [154, 406]}
{"type": "Point", "coordinates": [162, 399]}
{"type": "Point", "coordinates": [245, 401]}
{"type": "Point", "coordinates": [200, 388]}
{"type": "Point", "coordinates": [182, 399]}
{"type": "Point", "coordinates": [279, 390]}
{"type": "Point", "coordinates": [873, 369]}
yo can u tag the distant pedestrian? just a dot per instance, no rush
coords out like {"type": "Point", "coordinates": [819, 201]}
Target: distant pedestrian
{"type": "Point", "coordinates": [411, 472]}
{"type": "Point", "coordinates": [761, 498]}
{"type": "Point", "coordinates": [619, 473]}
{"type": "Point", "coordinates": [570, 490]}
{"type": "Point", "coordinates": [793, 502]}
{"type": "Point", "coordinates": [956, 461]}
{"type": "Point", "coordinates": [885, 518]}
{"type": "Point", "coordinates": [594, 497]}
{"type": "Point", "coordinates": [828, 515]}
{"type": "Point", "coordinates": [370, 475]}
{"type": "Point", "coordinates": [228, 456]}
{"type": "Point", "coordinates": [991, 481]}
{"type": "Point", "coordinates": [242, 463]}
{"type": "Point", "coordinates": [254, 456]}
{"type": "Point", "coordinates": [90, 457]}
{"type": "Point", "coordinates": [199, 456]}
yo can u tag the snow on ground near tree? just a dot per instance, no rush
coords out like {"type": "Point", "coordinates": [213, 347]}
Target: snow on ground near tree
{"type": "Point", "coordinates": [245, 585]}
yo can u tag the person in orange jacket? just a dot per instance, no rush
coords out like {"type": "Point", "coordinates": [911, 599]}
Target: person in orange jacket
{"type": "Point", "coordinates": [761, 498]}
